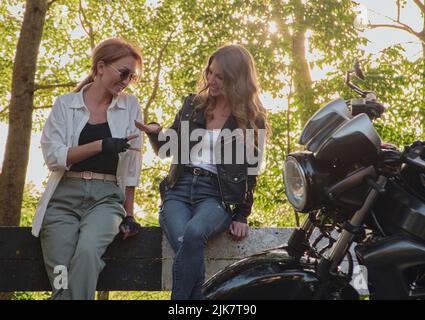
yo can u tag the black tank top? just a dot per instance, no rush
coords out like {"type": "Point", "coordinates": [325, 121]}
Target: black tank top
{"type": "Point", "coordinates": [101, 162]}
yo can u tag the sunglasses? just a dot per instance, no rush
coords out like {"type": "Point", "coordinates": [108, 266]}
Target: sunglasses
{"type": "Point", "coordinates": [125, 73]}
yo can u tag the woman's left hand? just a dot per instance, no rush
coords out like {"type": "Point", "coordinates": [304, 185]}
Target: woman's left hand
{"type": "Point", "coordinates": [129, 227]}
{"type": "Point", "coordinates": [238, 230]}
{"type": "Point", "coordinates": [148, 128]}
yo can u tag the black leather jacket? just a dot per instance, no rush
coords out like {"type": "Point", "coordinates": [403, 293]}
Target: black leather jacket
{"type": "Point", "coordinates": [236, 186]}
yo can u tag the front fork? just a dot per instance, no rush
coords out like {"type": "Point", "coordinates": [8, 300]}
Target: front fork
{"type": "Point", "coordinates": [342, 245]}
{"type": "Point", "coordinates": [328, 266]}
{"type": "Point", "coordinates": [298, 242]}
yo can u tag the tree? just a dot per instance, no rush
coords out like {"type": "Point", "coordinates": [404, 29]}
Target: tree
{"type": "Point", "coordinates": [12, 176]}
{"type": "Point", "coordinates": [301, 70]}
{"type": "Point", "coordinates": [416, 70]}
{"type": "Point", "coordinates": [397, 23]}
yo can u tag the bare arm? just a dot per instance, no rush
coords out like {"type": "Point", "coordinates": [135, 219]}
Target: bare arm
{"type": "Point", "coordinates": [129, 200]}
{"type": "Point", "coordinates": [129, 227]}
{"type": "Point", "coordinates": [80, 153]}
{"type": "Point", "coordinates": [83, 152]}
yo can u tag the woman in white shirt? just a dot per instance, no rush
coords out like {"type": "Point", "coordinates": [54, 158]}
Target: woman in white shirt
{"type": "Point", "coordinates": [92, 149]}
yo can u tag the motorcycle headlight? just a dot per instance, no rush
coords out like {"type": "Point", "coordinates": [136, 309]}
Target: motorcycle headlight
{"type": "Point", "coordinates": [295, 180]}
{"type": "Point", "coordinates": [304, 179]}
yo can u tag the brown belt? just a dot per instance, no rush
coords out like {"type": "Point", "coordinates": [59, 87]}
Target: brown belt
{"type": "Point", "coordinates": [199, 171]}
{"type": "Point", "coordinates": [88, 175]}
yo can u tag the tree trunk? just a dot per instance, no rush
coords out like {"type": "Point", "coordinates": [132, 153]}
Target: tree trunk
{"type": "Point", "coordinates": [12, 176]}
{"type": "Point", "coordinates": [14, 169]}
{"type": "Point", "coordinates": [304, 95]}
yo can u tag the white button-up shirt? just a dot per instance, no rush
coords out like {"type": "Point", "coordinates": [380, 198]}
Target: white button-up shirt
{"type": "Point", "coordinates": [62, 130]}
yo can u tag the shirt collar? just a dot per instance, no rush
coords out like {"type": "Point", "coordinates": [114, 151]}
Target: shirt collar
{"type": "Point", "coordinates": [78, 101]}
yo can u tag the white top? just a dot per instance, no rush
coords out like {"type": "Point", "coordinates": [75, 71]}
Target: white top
{"type": "Point", "coordinates": [202, 154]}
{"type": "Point", "coordinates": [62, 130]}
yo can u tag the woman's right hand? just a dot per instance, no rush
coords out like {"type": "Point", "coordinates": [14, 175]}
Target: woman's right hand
{"type": "Point", "coordinates": [118, 145]}
{"type": "Point", "coordinates": [148, 128]}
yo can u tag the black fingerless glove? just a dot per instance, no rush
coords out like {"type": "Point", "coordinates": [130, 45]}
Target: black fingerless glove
{"type": "Point", "coordinates": [130, 227]}
{"type": "Point", "coordinates": [114, 145]}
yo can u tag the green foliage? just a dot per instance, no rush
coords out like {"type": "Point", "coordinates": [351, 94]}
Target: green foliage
{"type": "Point", "coordinates": [140, 295]}
{"type": "Point", "coordinates": [113, 295]}
{"type": "Point", "coordinates": [271, 207]}
{"type": "Point", "coordinates": [31, 295]}
{"type": "Point", "coordinates": [399, 84]}
{"type": "Point", "coordinates": [29, 203]}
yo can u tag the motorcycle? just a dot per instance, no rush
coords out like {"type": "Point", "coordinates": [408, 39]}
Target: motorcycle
{"type": "Point", "coordinates": [361, 196]}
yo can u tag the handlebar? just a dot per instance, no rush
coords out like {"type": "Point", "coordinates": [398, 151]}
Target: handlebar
{"type": "Point", "coordinates": [372, 108]}
{"type": "Point", "coordinates": [415, 154]}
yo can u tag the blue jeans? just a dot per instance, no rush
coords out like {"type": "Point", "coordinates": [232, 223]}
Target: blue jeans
{"type": "Point", "coordinates": [192, 212]}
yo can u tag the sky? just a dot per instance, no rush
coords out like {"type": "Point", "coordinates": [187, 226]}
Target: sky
{"type": "Point", "coordinates": [378, 40]}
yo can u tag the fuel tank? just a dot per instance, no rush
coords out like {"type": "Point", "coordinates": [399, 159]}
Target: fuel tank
{"type": "Point", "coordinates": [398, 211]}
{"type": "Point", "coordinates": [395, 266]}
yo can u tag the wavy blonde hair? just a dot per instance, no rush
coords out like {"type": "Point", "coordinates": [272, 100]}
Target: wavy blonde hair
{"type": "Point", "coordinates": [241, 88]}
{"type": "Point", "coordinates": [108, 51]}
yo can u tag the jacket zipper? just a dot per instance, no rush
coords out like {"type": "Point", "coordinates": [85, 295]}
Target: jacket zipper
{"type": "Point", "coordinates": [219, 187]}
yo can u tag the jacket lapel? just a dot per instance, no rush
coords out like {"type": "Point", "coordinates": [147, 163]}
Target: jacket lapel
{"type": "Point", "coordinates": [198, 117]}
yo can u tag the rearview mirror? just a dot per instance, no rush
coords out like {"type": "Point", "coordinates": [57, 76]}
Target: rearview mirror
{"type": "Point", "coordinates": [358, 71]}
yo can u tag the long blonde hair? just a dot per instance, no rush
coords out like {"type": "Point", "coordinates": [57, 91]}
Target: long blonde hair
{"type": "Point", "coordinates": [108, 51]}
{"type": "Point", "coordinates": [241, 88]}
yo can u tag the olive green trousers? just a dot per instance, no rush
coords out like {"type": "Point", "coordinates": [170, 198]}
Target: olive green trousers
{"type": "Point", "coordinates": [82, 219]}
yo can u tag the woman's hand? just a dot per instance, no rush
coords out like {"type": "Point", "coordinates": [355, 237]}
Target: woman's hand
{"type": "Point", "coordinates": [118, 145]}
{"type": "Point", "coordinates": [107, 145]}
{"type": "Point", "coordinates": [129, 227]}
{"type": "Point", "coordinates": [148, 128]}
{"type": "Point", "coordinates": [238, 230]}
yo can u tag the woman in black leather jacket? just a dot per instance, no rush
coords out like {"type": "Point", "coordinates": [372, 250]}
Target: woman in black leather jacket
{"type": "Point", "coordinates": [216, 141]}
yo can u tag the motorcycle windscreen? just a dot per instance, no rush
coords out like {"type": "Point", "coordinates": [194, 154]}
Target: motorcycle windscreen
{"type": "Point", "coordinates": [355, 140]}
{"type": "Point", "coordinates": [325, 121]}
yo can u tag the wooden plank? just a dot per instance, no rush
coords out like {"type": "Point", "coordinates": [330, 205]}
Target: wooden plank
{"type": "Point", "coordinates": [18, 243]}
{"type": "Point", "coordinates": [118, 275]}
{"type": "Point", "coordinates": [133, 264]}
{"type": "Point", "coordinates": [23, 275]}
{"type": "Point", "coordinates": [131, 275]}
{"type": "Point", "coordinates": [146, 244]}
